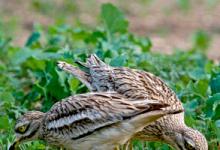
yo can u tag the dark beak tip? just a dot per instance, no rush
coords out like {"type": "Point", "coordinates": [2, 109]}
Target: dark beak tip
{"type": "Point", "coordinates": [13, 146]}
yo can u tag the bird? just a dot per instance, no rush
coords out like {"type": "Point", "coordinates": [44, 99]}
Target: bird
{"type": "Point", "coordinates": [90, 121]}
{"type": "Point", "coordinates": [138, 84]}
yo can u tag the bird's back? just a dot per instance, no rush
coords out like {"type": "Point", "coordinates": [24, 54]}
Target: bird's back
{"type": "Point", "coordinates": [135, 84]}
{"type": "Point", "coordinates": [132, 84]}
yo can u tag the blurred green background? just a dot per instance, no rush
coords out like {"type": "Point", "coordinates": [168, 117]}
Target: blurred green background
{"type": "Point", "coordinates": [176, 40]}
{"type": "Point", "coordinates": [169, 24]}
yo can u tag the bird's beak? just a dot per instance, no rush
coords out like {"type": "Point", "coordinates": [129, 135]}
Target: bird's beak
{"type": "Point", "coordinates": [15, 144]}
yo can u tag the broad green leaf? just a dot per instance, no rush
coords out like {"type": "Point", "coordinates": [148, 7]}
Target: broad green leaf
{"type": "Point", "coordinates": [217, 111]}
{"type": "Point", "coordinates": [6, 96]}
{"type": "Point", "coordinates": [35, 64]}
{"type": "Point", "coordinates": [55, 84]}
{"type": "Point", "coordinates": [198, 74]}
{"type": "Point", "coordinates": [4, 122]}
{"type": "Point", "coordinates": [201, 87]}
{"type": "Point", "coordinates": [23, 54]}
{"type": "Point", "coordinates": [217, 122]}
{"type": "Point", "coordinates": [211, 105]}
{"type": "Point", "coordinates": [118, 61]}
{"type": "Point", "coordinates": [34, 37]}
{"type": "Point", "coordinates": [113, 18]}
{"type": "Point", "coordinates": [29, 78]}
{"type": "Point", "coordinates": [201, 41]}
{"type": "Point", "coordinates": [184, 4]}
{"type": "Point", "coordinates": [215, 85]}
{"type": "Point", "coordinates": [74, 83]}
{"type": "Point", "coordinates": [190, 106]}
{"type": "Point", "coordinates": [145, 43]}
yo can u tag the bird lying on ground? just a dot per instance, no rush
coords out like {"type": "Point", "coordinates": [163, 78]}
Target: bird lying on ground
{"type": "Point", "coordinates": [137, 84]}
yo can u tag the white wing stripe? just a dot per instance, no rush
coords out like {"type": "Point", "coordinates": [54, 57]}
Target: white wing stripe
{"type": "Point", "coordinates": [73, 118]}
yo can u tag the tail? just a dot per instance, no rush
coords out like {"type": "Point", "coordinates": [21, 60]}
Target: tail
{"type": "Point", "coordinates": [81, 75]}
{"type": "Point", "coordinates": [152, 105]}
{"type": "Point", "coordinates": [94, 60]}
{"type": "Point", "coordinates": [154, 111]}
{"type": "Point", "coordinates": [146, 118]}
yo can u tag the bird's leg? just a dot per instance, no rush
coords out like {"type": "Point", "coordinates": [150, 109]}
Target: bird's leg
{"type": "Point", "coordinates": [128, 146]}
{"type": "Point", "coordinates": [117, 148]}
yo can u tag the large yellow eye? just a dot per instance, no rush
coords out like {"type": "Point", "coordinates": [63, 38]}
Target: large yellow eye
{"type": "Point", "coordinates": [22, 129]}
{"type": "Point", "coordinates": [189, 146]}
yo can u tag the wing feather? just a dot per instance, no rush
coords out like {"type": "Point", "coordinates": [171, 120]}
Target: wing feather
{"type": "Point", "coordinates": [133, 84]}
{"type": "Point", "coordinates": [78, 116]}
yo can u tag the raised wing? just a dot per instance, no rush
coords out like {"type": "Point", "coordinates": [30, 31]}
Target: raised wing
{"type": "Point", "coordinates": [133, 84]}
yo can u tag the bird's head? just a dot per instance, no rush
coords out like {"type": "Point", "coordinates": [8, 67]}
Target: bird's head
{"type": "Point", "coordinates": [188, 139]}
{"type": "Point", "coordinates": [27, 127]}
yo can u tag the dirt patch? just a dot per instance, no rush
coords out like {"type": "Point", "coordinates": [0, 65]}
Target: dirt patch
{"type": "Point", "coordinates": [167, 24]}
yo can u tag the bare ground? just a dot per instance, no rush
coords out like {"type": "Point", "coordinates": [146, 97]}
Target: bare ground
{"type": "Point", "coordinates": [163, 21]}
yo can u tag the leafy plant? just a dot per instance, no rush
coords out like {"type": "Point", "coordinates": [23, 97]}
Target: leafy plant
{"type": "Point", "coordinates": [29, 78]}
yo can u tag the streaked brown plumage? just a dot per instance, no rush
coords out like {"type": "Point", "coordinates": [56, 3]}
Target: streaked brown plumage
{"type": "Point", "coordinates": [137, 84]}
{"type": "Point", "coordinates": [94, 121]}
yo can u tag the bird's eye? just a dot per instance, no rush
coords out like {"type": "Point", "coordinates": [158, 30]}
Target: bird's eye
{"type": "Point", "coordinates": [21, 129]}
{"type": "Point", "coordinates": [189, 146]}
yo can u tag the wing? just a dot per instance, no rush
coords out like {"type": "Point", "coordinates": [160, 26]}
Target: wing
{"type": "Point", "coordinates": [133, 84]}
{"type": "Point", "coordinates": [81, 75]}
{"type": "Point", "coordinates": [81, 115]}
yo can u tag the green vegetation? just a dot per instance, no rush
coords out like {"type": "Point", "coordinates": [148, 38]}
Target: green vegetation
{"type": "Point", "coordinates": [29, 78]}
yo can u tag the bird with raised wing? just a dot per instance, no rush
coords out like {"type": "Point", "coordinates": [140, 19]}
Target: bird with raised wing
{"type": "Point", "coordinates": [93, 121]}
{"type": "Point", "coordinates": [138, 84]}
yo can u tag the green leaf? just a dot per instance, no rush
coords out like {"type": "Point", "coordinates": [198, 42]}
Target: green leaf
{"type": "Point", "coordinates": [197, 74]}
{"type": "Point", "coordinates": [6, 96]}
{"type": "Point", "coordinates": [215, 85]}
{"type": "Point", "coordinates": [217, 122]}
{"type": "Point", "coordinates": [113, 18]}
{"type": "Point", "coordinates": [145, 44]}
{"type": "Point", "coordinates": [201, 41]}
{"type": "Point", "coordinates": [4, 122]}
{"type": "Point", "coordinates": [184, 4]}
{"type": "Point", "coordinates": [118, 61]}
{"type": "Point", "coordinates": [56, 86]}
{"type": "Point", "coordinates": [190, 106]}
{"type": "Point", "coordinates": [34, 37]}
{"type": "Point", "coordinates": [211, 105]}
{"type": "Point", "coordinates": [217, 111]}
{"type": "Point", "coordinates": [74, 83]}
{"type": "Point", "coordinates": [23, 54]}
{"type": "Point", "coordinates": [201, 87]}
